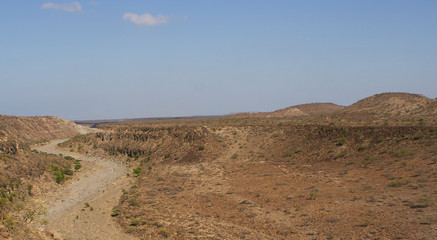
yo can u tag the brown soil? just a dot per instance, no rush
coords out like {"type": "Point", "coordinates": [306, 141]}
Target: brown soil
{"type": "Point", "coordinates": [275, 181]}
{"type": "Point", "coordinates": [317, 171]}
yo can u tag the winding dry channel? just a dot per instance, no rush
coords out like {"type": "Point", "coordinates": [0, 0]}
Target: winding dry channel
{"type": "Point", "coordinates": [99, 184]}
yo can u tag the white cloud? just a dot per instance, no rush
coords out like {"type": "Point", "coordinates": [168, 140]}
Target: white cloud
{"type": "Point", "coordinates": [69, 7]}
{"type": "Point", "coordinates": [145, 19]}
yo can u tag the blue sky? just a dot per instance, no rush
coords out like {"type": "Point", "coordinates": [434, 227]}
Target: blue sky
{"type": "Point", "coordinates": [126, 59]}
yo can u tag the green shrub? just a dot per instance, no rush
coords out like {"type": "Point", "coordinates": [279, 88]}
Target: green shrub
{"type": "Point", "coordinates": [380, 139]}
{"type": "Point", "coordinates": [3, 202]}
{"type": "Point", "coordinates": [68, 172]}
{"type": "Point", "coordinates": [116, 212]}
{"type": "Point", "coordinates": [362, 148]}
{"type": "Point", "coordinates": [341, 141]}
{"type": "Point", "coordinates": [69, 158]}
{"type": "Point", "coordinates": [341, 154]}
{"type": "Point", "coordinates": [313, 195]}
{"type": "Point", "coordinates": [8, 223]}
{"type": "Point", "coordinates": [164, 232]}
{"type": "Point", "coordinates": [395, 183]}
{"type": "Point", "coordinates": [137, 170]}
{"type": "Point", "coordinates": [133, 202]}
{"type": "Point", "coordinates": [77, 165]}
{"type": "Point", "coordinates": [60, 177]}
{"type": "Point", "coordinates": [419, 135]}
{"type": "Point", "coordinates": [366, 221]}
{"type": "Point", "coordinates": [135, 222]}
{"type": "Point", "coordinates": [29, 190]}
{"type": "Point", "coordinates": [55, 168]}
{"type": "Point", "coordinates": [426, 201]}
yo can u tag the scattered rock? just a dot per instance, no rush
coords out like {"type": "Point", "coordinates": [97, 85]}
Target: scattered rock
{"type": "Point", "coordinates": [246, 202]}
{"type": "Point", "coordinates": [333, 219]}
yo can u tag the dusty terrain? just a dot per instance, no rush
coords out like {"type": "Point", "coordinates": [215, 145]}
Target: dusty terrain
{"type": "Point", "coordinates": [272, 181]}
{"type": "Point", "coordinates": [312, 171]}
{"type": "Point", "coordinates": [81, 209]}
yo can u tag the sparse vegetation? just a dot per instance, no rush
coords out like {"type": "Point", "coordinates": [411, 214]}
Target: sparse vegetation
{"type": "Point", "coordinates": [116, 212]}
{"type": "Point", "coordinates": [137, 171]}
{"type": "Point", "coordinates": [366, 221]}
{"type": "Point", "coordinates": [419, 135]}
{"type": "Point", "coordinates": [164, 232]}
{"type": "Point", "coordinates": [341, 141]}
{"type": "Point", "coordinates": [345, 171]}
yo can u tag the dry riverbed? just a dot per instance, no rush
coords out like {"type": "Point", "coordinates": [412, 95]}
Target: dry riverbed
{"type": "Point", "coordinates": [81, 209]}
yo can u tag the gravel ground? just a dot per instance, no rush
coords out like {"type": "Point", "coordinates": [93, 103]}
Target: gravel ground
{"type": "Point", "coordinates": [98, 183]}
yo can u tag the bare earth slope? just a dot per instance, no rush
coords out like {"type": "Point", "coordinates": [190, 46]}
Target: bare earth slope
{"type": "Point", "coordinates": [99, 185]}
{"type": "Point", "coordinates": [32, 129]}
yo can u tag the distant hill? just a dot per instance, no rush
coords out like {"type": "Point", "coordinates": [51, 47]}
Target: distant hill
{"type": "Point", "coordinates": [391, 105]}
{"type": "Point", "coordinates": [314, 108]}
{"type": "Point", "coordinates": [310, 109]}
{"type": "Point", "coordinates": [376, 107]}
